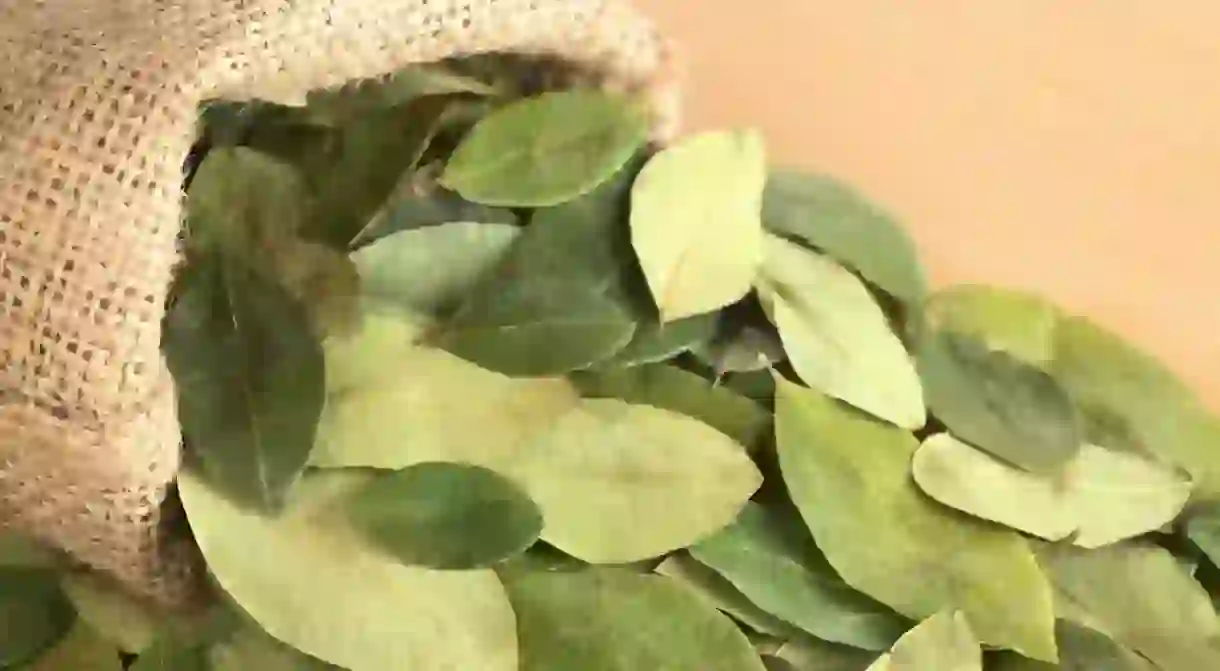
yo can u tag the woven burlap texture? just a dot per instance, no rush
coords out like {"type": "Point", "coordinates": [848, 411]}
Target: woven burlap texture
{"type": "Point", "coordinates": [98, 107]}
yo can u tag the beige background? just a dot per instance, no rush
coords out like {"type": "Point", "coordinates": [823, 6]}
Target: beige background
{"type": "Point", "coordinates": [1071, 148]}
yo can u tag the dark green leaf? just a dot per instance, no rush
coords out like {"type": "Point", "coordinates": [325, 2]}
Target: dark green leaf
{"type": "Point", "coordinates": [805, 653]}
{"type": "Point", "coordinates": [19, 550]}
{"type": "Point", "coordinates": [994, 401]}
{"type": "Point", "coordinates": [1203, 527]}
{"type": "Point", "coordinates": [784, 574]}
{"type": "Point", "coordinates": [447, 516]}
{"type": "Point", "coordinates": [34, 614]}
{"type": "Point", "coordinates": [323, 280]}
{"type": "Point", "coordinates": [719, 592]}
{"type": "Point", "coordinates": [834, 218]}
{"type": "Point", "coordinates": [672, 389]}
{"type": "Point", "coordinates": [1080, 649]}
{"type": "Point", "coordinates": [546, 150]}
{"type": "Point", "coordinates": [419, 202]}
{"type": "Point", "coordinates": [743, 349]}
{"type": "Point", "coordinates": [654, 342]}
{"type": "Point", "coordinates": [82, 649]}
{"type": "Point", "coordinates": [612, 620]}
{"type": "Point", "coordinates": [850, 477]}
{"type": "Point", "coordinates": [250, 377]}
{"type": "Point", "coordinates": [343, 105]}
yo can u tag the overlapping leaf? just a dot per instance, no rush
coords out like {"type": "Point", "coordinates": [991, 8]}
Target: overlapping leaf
{"type": "Point", "coordinates": [944, 642]}
{"type": "Point", "coordinates": [34, 614]}
{"type": "Point", "coordinates": [721, 593]}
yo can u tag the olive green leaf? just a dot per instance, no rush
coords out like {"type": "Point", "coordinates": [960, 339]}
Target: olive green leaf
{"type": "Point", "coordinates": [609, 619]}
{"type": "Point", "coordinates": [998, 403]}
{"type": "Point", "coordinates": [419, 202]}
{"type": "Point", "coordinates": [250, 377]}
{"type": "Point", "coordinates": [720, 593]}
{"type": "Point", "coordinates": [322, 279]}
{"type": "Point", "coordinates": [547, 149]}
{"type": "Point", "coordinates": [619, 482]}
{"type": "Point", "coordinates": [656, 342]}
{"type": "Point", "coordinates": [786, 576]}
{"type": "Point", "coordinates": [446, 516]}
{"type": "Point", "coordinates": [18, 550]}
{"type": "Point", "coordinates": [836, 336]}
{"type": "Point", "coordinates": [837, 220]}
{"type": "Point", "coordinates": [345, 104]}
{"type": "Point", "coordinates": [34, 614]}
{"type": "Point", "coordinates": [1101, 497]}
{"type": "Point", "coordinates": [1131, 401]}
{"type": "Point", "coordinates": [245, 202]}
{"type": "Point", "coordinates": [674, 389]}
{"type": "Point", "coordinates": [743, 350]}
{"type": "Point", "coordinates": [391, 403]}
{"type": "Point", "coordinates": [850, 477]}
{"type": "Point", "coordinates": [805, 653]}
{"type": "Point", "coordinates": [1203, 528]}
{"type": "Point", "coordinates": [249, 649]}
{"type": "Point", "coordinates": [123, 621]}
{"type": "Point", "coordinates": [430, 270]}
{"type": "Point", "coordinates": [310, 582]}
{"type": "Point", "coordinates": [1019, 323]}
{"type": "Point", "coordinates": [190, 647]}
{"type": "Point", "coordinates": [1137, 594]}
{"type": "Point", "coordinates": [943, 642]}
{"type": "Point", "coordinates": [561, 300]}
{"type": "Point", "coordinates": [1080, 649]}
{"type": "Point", "coordinates": [82, 649]}
{"type": "Point", "coordinates": [696, 224]}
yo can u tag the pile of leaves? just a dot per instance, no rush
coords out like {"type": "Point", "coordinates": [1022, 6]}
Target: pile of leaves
{"type": "Point", "coordinates": [475, 377]}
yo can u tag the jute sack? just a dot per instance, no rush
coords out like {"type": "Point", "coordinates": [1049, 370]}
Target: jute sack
{"type": "Point", "coordinates": [98, 107]}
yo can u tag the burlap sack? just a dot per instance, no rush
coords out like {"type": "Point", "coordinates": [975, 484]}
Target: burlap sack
{"type": "Point", "coordinates": [98, 105]}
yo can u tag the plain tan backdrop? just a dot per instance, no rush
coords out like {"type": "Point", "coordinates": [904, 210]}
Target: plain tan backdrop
{"type": "Point", "coordinates": [1071, 148]}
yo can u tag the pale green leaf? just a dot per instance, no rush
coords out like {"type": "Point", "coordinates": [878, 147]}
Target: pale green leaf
{"type": "Point", "coordinates": [1101, 497]}
{"type": "Point", "coordinates": [391, 403]}
{"type": "Point", "coordinates": [674, 389]}
{"type": "Point", "coordinates": [834, 218]}
{"type": "Point", "coordinates": [620, 482]}
{"type": "Point", "coordinates": [849, 476]}
{"type": "Point", "coordinates": [446, 516]}
{"type": "Point", "coordinates": [998, 403]}
{"type": "Point", "coordinates": [82, 649]}
{"type": "Point", "coordinates": [806, 653]}
{"type": "Point", "coordinates": [306, 578]}
{"type": "Point", "coordinates": [696, 222]}
{"type": "Point", "coordinates": [721, 594]}
{"type": "Point", "coordinates": [836, 336]}
{"type": "Point", "coordinates": [1019, 323]}
{"type": "Point", "coordinates": [943, 642]}
{"type": "Point", "coordinates": [125, 622]}
{"type": "Point", "coordinates": [787, 577]}
{"type": "Point", "coordinates": [250, 378]}
{"type": "Point", "coordinates": [34, 614]}
{"type": "Point", "coordinates": [546, 150]}
{"type": "Point", "coordinates": [612, 620]}
{"type": "Point", "coordinates": [251, 649]}
{"type": "Point", "coordinates": [431, 270]}
{"type": "Point", "coordinates": [1138, 595]}
{"type": "Point", "coordinates": [1080, 649]}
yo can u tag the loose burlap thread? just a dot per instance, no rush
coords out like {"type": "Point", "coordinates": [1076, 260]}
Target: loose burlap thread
{"type": "Point", "coordinates": [98, 109]}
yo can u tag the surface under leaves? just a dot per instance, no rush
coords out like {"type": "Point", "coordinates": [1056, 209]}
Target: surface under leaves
{"type": "Point", "coordinates": [471, 377]}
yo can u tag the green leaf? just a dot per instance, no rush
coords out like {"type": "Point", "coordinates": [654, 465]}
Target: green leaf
{"type": "Point", "coordinates": [1019, 323]}
{"type": "Point", "coordinates": [620, 482]}
{"type": "Point", "coordinates": [837, 220]}
{"type": "Point", "coordinates": [323, 280]}
{"type": "Point", "coordinates": [998, 403]}
{"type": "Point", "coordinates": [120, 619]}
{"type": "Point", "coordinates": [743, 350]}
{"type": "Point", "coordinates": [342, 105]}
{"type": "Point", "coordinates": [1102, 497]}
{"type": "Point", "coordinates": [34, 614]}
{"type": "Point", "coordinates": [250, 380]}
{"type": "Point", "coordinates": [546, 150]}
{"type": "Point", "coordinates": [561, 300]}
{"type": "Point", "coordinates": [849, 476]}
{"type": "Point", "coordinates": [1131, 401]}
{"type": "Point", "coordinates": [312, 584]}
{"type": "Point", "coordinates": [1203, 528]}
{"type": "Point", "coordinates": [674, 389]}
{"type": "Point", "coordinates": [806, 653]}
{"type": "Point", "coordinates": [20, 551]}
{"type": "Point", "coordinates": [250, 649]}
{"type": "Point", "coordinates": [610, 619]}
{"type": "Point", "coordinates": [419, 202]}
{"type": "Point", "coordinates": [245, 203]}
{"type": "Point", "coordinates": [430, 270]}
{"type": "Point", "coordinates": [656, 342]}
{"type": "Point", "coordinates": [696, 222]}
{"type": "Point", "coordinates": [836, 336]}
{"type": "Point", "coordinates": [1080, 649]}
{"type": "Point", "coordinates": [943, 642]}
{"type": "Point", "coordinates": [81, 649]}
{"type": "Point", "coordinates": [1138, 595]}
{"type": "Point", "coordinates": [788, 578]}
{"type": "Point", "coordinates": [392, 404]}
{"type": "Point", "coordinates": [721, 594]}
{"type": "Point", "coordinates": [446, 516]}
